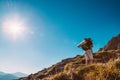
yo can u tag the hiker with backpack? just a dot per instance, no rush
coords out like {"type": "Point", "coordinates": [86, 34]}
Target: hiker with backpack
{"type": "Point", "coordinates": [87, 45]}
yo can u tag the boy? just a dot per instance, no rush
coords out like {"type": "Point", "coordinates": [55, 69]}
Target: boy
{"type": "Point", "coordinates": [86, 45]}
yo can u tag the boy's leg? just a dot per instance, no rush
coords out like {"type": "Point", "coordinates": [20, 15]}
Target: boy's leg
{"type": "Point", "coordinates": [86, 62]}
{"type": "Point", "coordinates": [91, 61]}
{"type": "Point", "coordinates": [86, 59]}
{"type": "Point", "coordinates": [90, 57]}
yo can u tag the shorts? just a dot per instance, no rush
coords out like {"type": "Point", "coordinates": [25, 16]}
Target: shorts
{"type": "Point", "coordinates": [88, 55]}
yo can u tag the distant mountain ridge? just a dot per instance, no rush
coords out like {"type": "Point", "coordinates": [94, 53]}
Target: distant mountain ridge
{"type": "Point", "coordinates": [2, 73]}
{"type": "Point", "coordinates": [75, 66]}
{"type": "Point", "coordinates": [11, 76]}
{"type": "Point", "coordinates": [8, 77]}
{"type": "Point", "coordinates": [19, 74]}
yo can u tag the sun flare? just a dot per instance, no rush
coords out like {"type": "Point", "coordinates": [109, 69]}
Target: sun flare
{"type": "Point", "coordinates": [14, 27]}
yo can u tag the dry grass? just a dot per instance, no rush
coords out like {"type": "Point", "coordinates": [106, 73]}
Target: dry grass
{"type": "Point", "coordinates": [108, 71]}
{"type": "Point", "coordinates": [106, 67]}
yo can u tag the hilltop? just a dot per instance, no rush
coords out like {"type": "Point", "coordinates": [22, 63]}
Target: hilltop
{"type": "Point", "coordinates": [106, 66]}
{"type": "Point", "coordinates": [113, 44]}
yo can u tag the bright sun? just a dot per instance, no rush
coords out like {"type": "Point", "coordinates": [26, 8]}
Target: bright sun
{"type": "Point", "coordinates": [14, 27]}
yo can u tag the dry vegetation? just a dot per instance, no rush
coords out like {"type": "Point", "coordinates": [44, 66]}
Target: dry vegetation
{"type": "Point", "coordinates": [108, 69]}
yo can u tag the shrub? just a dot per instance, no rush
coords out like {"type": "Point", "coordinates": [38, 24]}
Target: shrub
{"type": "Point", "coordinates": [117, 64]}
{"type": "Point", "coordinates": [60, 76]}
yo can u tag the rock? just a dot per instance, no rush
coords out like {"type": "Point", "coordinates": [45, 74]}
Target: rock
{"type": "Point", "coordinates": [113, 44]}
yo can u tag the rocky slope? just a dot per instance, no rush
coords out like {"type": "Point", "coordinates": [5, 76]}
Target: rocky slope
{"type": "Point", "coordinates": [113, 44]}
{"type": "Point", "coordinates": [74, 68]}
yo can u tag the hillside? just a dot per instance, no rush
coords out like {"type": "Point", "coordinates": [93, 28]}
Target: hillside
{"type": "Point", "coordinates": [113, 44]}
{"type": "Point", "coordinates": [106, 66]}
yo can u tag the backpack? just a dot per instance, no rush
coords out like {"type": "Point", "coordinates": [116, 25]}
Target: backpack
{"type": "Point", "coordinates": [88, 45]}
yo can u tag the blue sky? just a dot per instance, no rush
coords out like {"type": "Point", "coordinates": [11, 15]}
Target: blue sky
{"type": "Point", "coordinates": [54, 28]}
